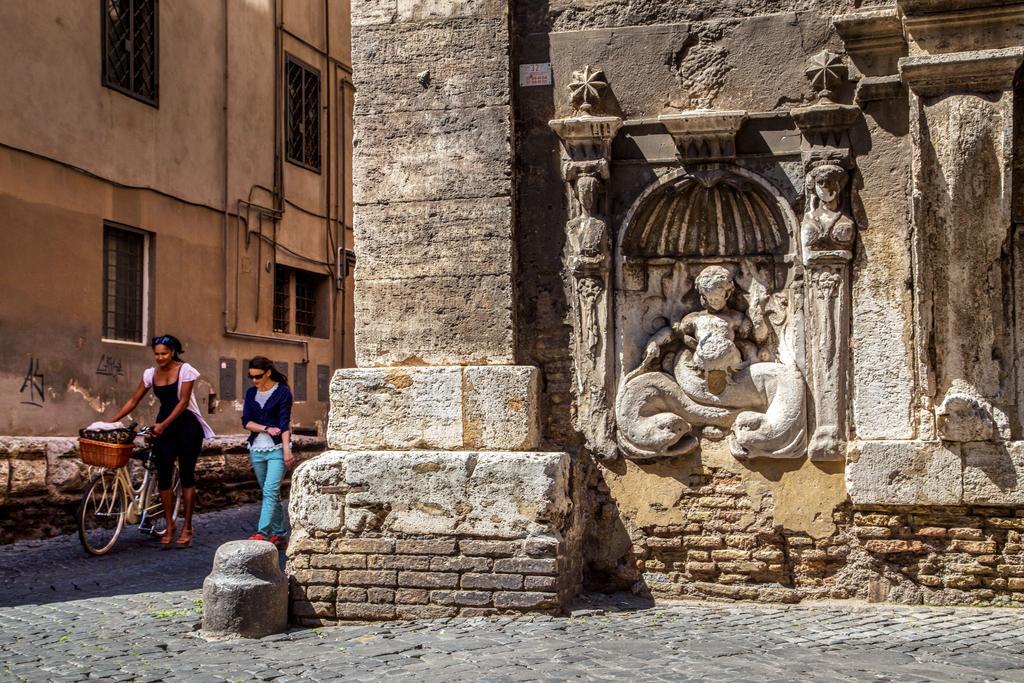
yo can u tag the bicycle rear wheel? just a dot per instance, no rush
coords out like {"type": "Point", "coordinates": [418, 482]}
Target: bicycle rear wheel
{"type": "Point", "coordinates": [152, 521]}
{"type": "Point", "coordinates": [101, 513]}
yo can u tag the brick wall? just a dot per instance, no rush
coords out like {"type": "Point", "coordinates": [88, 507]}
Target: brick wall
{"type": "Point", "coordinates": [727, 546]}
{"type": "Point", "coordinates": [360, 578]}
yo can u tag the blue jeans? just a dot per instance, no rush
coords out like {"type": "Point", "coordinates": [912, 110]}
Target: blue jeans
{"type": "Point", "coordinates": [269, 468]}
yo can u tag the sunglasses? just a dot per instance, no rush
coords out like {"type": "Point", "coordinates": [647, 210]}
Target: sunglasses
{"type": "Point", "coordinates": [259, 376]}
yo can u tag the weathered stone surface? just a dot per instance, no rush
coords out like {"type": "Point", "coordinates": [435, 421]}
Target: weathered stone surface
{"type": "Point", "coordinates": [396, 408]}
{"type": "Point", "coordinates": [403, 408]}
{"type": "Point", "coordinates": [904, 473]}
{"type": "Point", "coordinates": [994, 473]}
{"type": "Point", "coordinates": [317, 501]}
{"type": "Point", "coordinates": [440, 320]}
{"type": "Point", "coordinates": [246, 594]}
{"type": "Point", "coordinates": [369, 12]}
{"type": "Point", "coordinates": [501, 407]}
{"type": "Point", "coordinates": [27, 476]}
{"type": "Point", "coordinates": [422, 156]}
{"type": "Point", "coordinates": [460, 71]}
{"type": "Point", "coordinates": [417, 240]}
{"type": "Point", "coordinates": [497, 494]}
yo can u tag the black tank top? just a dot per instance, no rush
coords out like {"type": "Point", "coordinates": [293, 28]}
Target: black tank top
{"type": "Point", "coordinates": [168, 397]}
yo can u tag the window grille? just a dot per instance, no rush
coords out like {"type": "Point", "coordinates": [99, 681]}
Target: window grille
{"type": "Point", "coordinates": [305, 304]}
{"type": "Point", "coordinates": [130, 48]}
{"type": "Point", "coordinates": [123, 286]}
{"type": "Point", "coordinates": [302, 109]}
{"type": "Point", "coordinates": [282, 294]}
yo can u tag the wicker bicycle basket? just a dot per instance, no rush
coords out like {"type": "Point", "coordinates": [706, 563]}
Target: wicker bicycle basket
{"type": "Point", "coordinates": [101, 454]}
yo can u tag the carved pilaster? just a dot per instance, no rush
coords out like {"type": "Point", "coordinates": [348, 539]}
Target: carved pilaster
{"type": "Point", "coordinates": [826, 238]}
{"type": "Point", "coordinates": [586, 260]}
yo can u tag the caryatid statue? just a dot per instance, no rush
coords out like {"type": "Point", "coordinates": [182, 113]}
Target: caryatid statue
{"type": "Point", "coordinates": [826, 237]}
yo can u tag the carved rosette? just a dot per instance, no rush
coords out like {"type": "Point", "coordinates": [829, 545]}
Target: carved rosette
{"type": "Point", "coordinates": [827, 235]}
{"type": "Point", "coordinates": [586, 260]}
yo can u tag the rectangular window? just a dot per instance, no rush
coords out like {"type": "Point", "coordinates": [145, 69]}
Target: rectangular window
{"type": "Point", "coordinates": [302, 114]}
{"type": "Point", "coordinates": [305, 303]}
{"type": "Point", "coordinates": [282, 298]}
{"type": "Point", "coordinates": [124, 284]}
{"type": "Point", "coordinates": [129, 38]}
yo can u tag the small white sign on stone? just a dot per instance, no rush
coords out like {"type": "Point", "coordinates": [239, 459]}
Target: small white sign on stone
{"type": "Point", "coordinates": [534, 74]}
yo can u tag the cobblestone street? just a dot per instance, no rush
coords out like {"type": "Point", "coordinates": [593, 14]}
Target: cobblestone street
{"type": "Point", "coordinates": [131, 616]}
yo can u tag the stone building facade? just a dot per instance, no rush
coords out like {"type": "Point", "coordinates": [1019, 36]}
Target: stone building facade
{"type": "Point", "coordinates": [760, 263]}
{"type": "Point", "coordinates": [150, 183]}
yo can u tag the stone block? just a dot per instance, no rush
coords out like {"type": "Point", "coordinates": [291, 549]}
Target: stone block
{"type": "Point", "coordinates": [430, 155]}
{"type": "Point", "coordinates": [412, 596]}
{"type": "Point", "coordinates": [364, 611]}
{"type": "Point", "coordinates": [994, 473]}
{"type": "Point", "coordinates": [27, 477]}
{"type": "Point", "coordinates": [904, 473]}
{"type": "Point", "coordinates": [445, 408]}
{"type": "Point", "coordinates": [425, 611]}
{"type": "Point", "coordinates": [396, 408]}
{"type": "Point", "coordinates": [439, 320]}
{"type": "Point", "coordinates": [415, 240]}
{"type": "Point", "coordinates": [525, 600]}
{"type": "Point", "coordinates": [472, 598]}
{"type": "Point", "coordinates": [407, 562]}
{"type": "Point", "coordinates": [487, 548]}
{"type": "Point", "coordinates": [440, 546]}
{"type": "Point", "coordinates": [246, 594]}
{"type": "Point", "coordinates": [492, 581]}
{"type": "Point", "coordinates": [525, 565]}
{"type": "Point", "coordinates": [376, 577]}
{"type": "Point", "coordinates": [461, 564]}
{"type": "Point", "coordinates": [428, 579]}
{"type": "Point", "coordinates": [497, 494]}
{"type": "Point", "coordinates": [372, 12]}
{"type": "Point", "coordinates": [467, 63]}
{"type": "Point", "coordinates": [500, 407]}
{"type": "Point", "coordinates": [364, 545]}
{"type": "Point", "coordinates": [317, 502]}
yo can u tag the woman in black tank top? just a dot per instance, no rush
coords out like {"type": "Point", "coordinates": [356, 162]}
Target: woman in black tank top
{"type": "Point", "coordinates": [180, 433]}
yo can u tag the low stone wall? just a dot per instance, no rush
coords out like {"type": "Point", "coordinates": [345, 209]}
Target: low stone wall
{"type": "Point", "coordinates": [41, 481]}
{"type": "Point", "coordinates": [418, 534]}
{"type": "Point", "coordinates": [728, 546]}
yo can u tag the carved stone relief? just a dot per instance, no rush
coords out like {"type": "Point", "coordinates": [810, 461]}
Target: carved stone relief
{"type": "Point", "coordinates": [707, 339]}
{"type": "Point", "coordinates": [707, 373]}
{"type": "Point", "coordinates": [586, 140]}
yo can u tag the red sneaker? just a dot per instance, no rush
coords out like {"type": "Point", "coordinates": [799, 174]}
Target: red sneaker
{"type": "Point", "coordinates": [279, 541]}
{"type": "Point", "coordinates": [258, 537]}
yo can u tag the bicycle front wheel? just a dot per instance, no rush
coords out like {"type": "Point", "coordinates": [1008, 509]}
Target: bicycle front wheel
{"type": "Point", "coordinates": [101, 513]}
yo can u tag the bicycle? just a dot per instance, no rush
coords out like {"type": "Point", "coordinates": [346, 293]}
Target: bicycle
{"type": "Point", "coordinates": [124, 495]}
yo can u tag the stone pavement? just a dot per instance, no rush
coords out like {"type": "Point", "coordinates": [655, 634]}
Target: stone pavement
{"type": "Point", "coordinates": [131, 616]}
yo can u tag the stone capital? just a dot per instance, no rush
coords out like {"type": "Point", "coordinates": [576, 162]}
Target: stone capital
{"type": "Point", "coordinates": [587, 137]}
{"type": "Point", "coordinates": [975, 71]}
{"type": "Point", "coordinates": [704, 135]}
{"type": "Point", "coordinates": [878, 30]}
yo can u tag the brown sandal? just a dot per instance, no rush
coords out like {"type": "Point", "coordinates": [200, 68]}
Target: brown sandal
{"type": "Point", "coordinates": [185, 540]}
{"type": "Point", "coordinates": [167, 537]}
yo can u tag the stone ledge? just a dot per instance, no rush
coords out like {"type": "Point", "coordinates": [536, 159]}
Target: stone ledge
{"type": "Point", "coordinates": [934, 473]}
{"type": "Point", "coordinates": [499, 495]}
{"type": "Point", "coordinates": [975, 71]}
{"type": "Point", "coordinates": [437, 407]}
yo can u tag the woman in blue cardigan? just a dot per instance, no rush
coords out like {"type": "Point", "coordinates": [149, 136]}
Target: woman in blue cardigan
{"type": "Point", "coordinates": [267, 415]}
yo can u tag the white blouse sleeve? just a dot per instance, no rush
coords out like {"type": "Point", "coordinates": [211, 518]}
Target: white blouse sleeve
{"type": "Point", "coordinates": [147, 377]}
{"type": "Point", "coordinates": [188, 373]}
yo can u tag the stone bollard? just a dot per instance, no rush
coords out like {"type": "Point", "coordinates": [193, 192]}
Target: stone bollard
{"type": "Point", "coordinates": [246, 594]}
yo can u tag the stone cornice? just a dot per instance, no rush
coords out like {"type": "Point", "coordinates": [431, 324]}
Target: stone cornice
{"type": "Point", "coordinates": [871, 31]}
{"type": "Point", "coordinates": [976, 71]}
{"type": "Point", "coordinates": [877, 88]}
{"type": "Point", "coordinates": [704, 134]}
{"type": "Point", "coordinates": [919, 7]}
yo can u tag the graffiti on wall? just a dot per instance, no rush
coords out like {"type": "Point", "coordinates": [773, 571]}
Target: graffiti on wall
{"type": "Point", "coordinates": [34, 384]}
{"type": "Point", "coordinates": [110, 366]}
